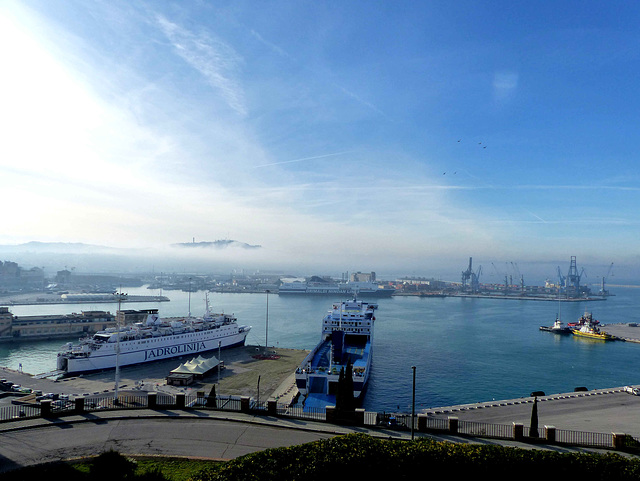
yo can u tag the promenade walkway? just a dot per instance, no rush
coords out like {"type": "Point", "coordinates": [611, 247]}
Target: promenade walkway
{"type": "Point", "coordinates": [203, 434]}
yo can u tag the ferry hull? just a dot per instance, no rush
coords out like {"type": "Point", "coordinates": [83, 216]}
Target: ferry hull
{"type": "Point", "coordinates": [103, 361]}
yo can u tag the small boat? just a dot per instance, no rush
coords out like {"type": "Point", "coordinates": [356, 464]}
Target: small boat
{"type": "Point", "coordinates": [587, 318]}
{"type": "Point", "coordinates": [558, 327]}
{"type": "Point", "coordinates": [589, 328]}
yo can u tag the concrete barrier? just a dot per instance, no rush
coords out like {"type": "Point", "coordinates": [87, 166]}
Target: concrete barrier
{"type": "Point", "coordinates": [79, 405]}
{"type": "Point", "coordinates": [550, 434]}
{"type": "Point", "coordinates": [518, 431]}
{"type": "Point", "coordinates": [453, 425]}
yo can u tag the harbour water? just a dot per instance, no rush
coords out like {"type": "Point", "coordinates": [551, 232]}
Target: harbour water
{"type": "Point", "coordinates": [465, 350]}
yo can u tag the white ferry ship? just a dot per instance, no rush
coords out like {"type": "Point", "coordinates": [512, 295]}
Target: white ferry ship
{"type": "Point", "coordinates": [337, 289]}
{"type": "Point", "coordinates": [347, 333]}
{"type": "Point", "coordinates": [152, 340]}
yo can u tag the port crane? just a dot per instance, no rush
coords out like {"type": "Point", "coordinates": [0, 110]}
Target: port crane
{"type": "Point", "coordinates": [471, 278]}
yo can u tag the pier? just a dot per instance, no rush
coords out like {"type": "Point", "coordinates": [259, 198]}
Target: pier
{"type": "Point", "coordinates": [624, 331]}
{"type": "Point", "coordinates": [243, 368]}
{"type": "Point", "coordinates": [46, 299]}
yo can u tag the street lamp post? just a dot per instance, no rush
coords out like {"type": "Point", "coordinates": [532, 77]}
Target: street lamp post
{"type": "Point", "coordinates": [118, 315]}
{"type": "Point", "coordinates": [219, 360]}
{"type": "Point", "coordinates": [266, 338]}
{"type": "Point", "coordinates": [413, 403]}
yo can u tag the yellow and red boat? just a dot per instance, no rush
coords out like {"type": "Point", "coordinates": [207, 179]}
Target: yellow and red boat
{"type": "Point", "coordinates": [588, 328]}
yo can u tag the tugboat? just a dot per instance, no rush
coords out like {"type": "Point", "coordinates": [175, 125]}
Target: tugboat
{"type": "Point", "coordinates": [558, 327]}
{"type": "Point", "coordinates": [589, 329]}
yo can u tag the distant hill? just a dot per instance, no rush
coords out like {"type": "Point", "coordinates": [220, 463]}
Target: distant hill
{"type": "Point", "coordinates": [218, 244]}
{"type": "Point", "coordinates": [94, 258]}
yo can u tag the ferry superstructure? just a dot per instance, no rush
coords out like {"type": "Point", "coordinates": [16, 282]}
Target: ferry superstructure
{"type": "Point", "coordinates": [347, 334]}
{"type": "Point", "coordinates": [152, 340]}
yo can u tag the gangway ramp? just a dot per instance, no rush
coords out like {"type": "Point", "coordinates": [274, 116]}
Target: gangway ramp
{"type": "Point", "coordinates": [58, 372]}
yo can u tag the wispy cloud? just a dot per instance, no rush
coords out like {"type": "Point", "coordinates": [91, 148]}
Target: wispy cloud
{"type": "Point", "coordinates": [505, 85]}
{"type": "Point", "coordinates": [271, 45]}
{"type": "Point", "coordinates": [301, 160]}
{"type": "Point", "coordinates": [214, 59]}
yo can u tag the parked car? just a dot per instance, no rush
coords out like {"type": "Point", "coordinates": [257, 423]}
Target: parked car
{"type": "Point", "coordinates": [632, 390]}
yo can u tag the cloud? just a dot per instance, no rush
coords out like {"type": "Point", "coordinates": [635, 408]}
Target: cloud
{"type": "Point", "coordinates": [271, 45]}
{"type": "Point", "coordinates": [505, 85]}
{"type": "Point", "coordinates": [301, 160]}
{"type": "Point", "coordinates": [214, 59]}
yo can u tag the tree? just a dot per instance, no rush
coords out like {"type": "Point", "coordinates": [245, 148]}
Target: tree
{"type": "Point", "coordinates": [211, 399]}
{"type": "Point", "coordinates": [349, 400]}
{"type": "Point", "coordinates": [533, 429]}
{"type": "Point", "coordinates": [345, 401]}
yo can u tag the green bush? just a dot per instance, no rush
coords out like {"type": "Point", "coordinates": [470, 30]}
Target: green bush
{"type": "Point", "coordinates": [359, 455]}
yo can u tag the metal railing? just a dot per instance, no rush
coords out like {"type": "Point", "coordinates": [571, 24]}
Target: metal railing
{"type": "Point", "coordinates": [586, 439]}
{"type": "Point", "coordinates": [400, 421]}
{"type": "Point", "coordinates": [485, 430]}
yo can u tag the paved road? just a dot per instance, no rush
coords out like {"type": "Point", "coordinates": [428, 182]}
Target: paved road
{"type": "Point", "coordinates": [598, 411]}
{"type": "Point", "coordinates": [227, 435]}
{"type": "Point", "coordinates": [200, 435]}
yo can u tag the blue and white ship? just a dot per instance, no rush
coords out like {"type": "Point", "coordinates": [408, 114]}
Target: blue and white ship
{"type": "Point", "coordinates": [347, 333]}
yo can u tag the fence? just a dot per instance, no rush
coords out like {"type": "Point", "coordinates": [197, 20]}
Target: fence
{"type": "Point", "coordinates": [401, 421]}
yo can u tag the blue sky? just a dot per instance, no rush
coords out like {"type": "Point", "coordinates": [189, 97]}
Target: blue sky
{"type": "Point", "coordinates": [388, 136]}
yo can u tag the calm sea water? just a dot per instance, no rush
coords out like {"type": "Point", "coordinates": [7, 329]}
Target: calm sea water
{"type": "Point", "coordinates": [464, 350]}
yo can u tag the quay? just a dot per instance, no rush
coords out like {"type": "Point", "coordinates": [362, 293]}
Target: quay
{"type": "Point", "coordinates": [517, 297]}
{"type": "Point", "coordinates": [623, 331]}
{"type": "Point", "coordinates": [47, 299]}
{"type": "Point", "coordinates": [245, 373]}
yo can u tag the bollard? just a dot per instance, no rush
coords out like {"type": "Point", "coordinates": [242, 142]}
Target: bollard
{"type": "Point", "coordinates": [518, 431]}
{"type": "Point", "coordinates": [79, 405]}
{"type": "Point", "coordinates": [453, 425]}
{"type": "Point", "coordinates": [152, 400]}
{"type": "Point", "coordinates": [551, 434]}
